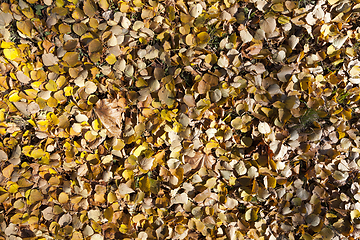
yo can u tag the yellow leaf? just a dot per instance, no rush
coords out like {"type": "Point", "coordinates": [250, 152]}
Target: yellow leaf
{"type": "Point", "coordinates": [19, 204]}
{"type": "Point", "coordinates": [13, 188]}
{"type": "Point", "coordinates": [11, 53]}
{"type": "Point", "coordinates": [34, 195]}
{"type": "Point", "coordinates": [138, 150]}
{"type": "Point", "coordinates": [124, 7]}
{"type": "Point", "coordinates": [203, 38]}
{"type": "Point", "coordinates": [68, 91]}
{"type": "Point", "coordinates": [109, 213]}
{"type": "Point", "coordinates": [278, 7]}
{"type": "Point", "coordinates": [138, 3]}
{"type": "Point", "coordinates": [332, 2]}
{"type": "Point", "coordinates": [104, 4]}
{"type": "Point", "coordinates": [51, 86]}
{"type": "Point", "coordinates": [270, 182]}
{"type": "Point", "coordinates": [111, 197]}
{"type": "Point", "coordinates": [4, 196]}
{"type": "Point", "coordinates": [248, 215]}
{"type": "Point", "coordinates": [37, 153]}
{"type": "Point", "coordinates": [111, 59]}
{"type": "Point", "coordinates": [95, 56]}
{"type": "Point", "coordinates": [237, 123]}
{"type": "Point", "coordinates": [96, 125]}
{"type": "Point", "coordinates": [89, 136]}
{"type": "Point", "coordinates": [16, 218]}
{"type": "Point", "coordinates": [52, 118]}
{"type": "Point", "coordinates": [211, 145]}
{"type": "Point", "coordinates": [128, 174]}
{"type": "Point", "coordinates": [27, 149]}
{"type": "Point", "coordinates": [63, 198]}
{"type": "Point", "coordinates": [95, 46]}
{"type": "Point", "coordinates": [52, 102]}
{"type": "Point", "coordinates": [283, 19]}
{"type": "Point", "coordinates": [89, 8]}
{"type": "Point", "coordinates": [14, 97]}
{"type": "Point", "coordinates": [7, 44]}
{"type": "Point", "coordinates": [123, 228]}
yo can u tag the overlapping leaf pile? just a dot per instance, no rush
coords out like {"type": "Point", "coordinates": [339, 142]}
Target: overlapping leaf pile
{"type": "Point", "coordinates": [168, 119]}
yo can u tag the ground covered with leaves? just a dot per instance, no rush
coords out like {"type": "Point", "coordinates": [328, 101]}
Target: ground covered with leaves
{"type": "Point", "coordinates": [166, 119]}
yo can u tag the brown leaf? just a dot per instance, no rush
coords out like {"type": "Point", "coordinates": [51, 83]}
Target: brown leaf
{"type": "Point", "coordinates": [200, 160]}
{"type": "Point", "coordinates": [95, 46]}
{"type": "Point", "coordinates": [70, 45]}
{"type": "Point", "coordinates": [71, 58]}
{"type": "Point", "coordinates": [79, 28]}
{"type": "Point", "coordinates": [208, 81]}
{"type": "Point", "coordinates": [49, 59]}
{"type": "Point", "coordinates": [166, 96]}
{"type": "Point", "coordinates": [89, 8]}
{"type": "Point", "coordinates": [202, 196]}
{"type": "Point", "coordinates": [110, 115]}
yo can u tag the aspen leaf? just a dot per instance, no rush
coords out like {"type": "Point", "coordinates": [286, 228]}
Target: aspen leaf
{"type": "Point", "coordinates": [11, 53]}
{"type": "Point", "coordinates": [90, 87]}
{"type": "Point", "coordinates": [264, 128]}
{"type": "Point", "coordinates": [203, 38]}
{"type": "Point", "coordinates": [196, 10]}
{"type": "Point", "coordinates": [253, 172]}
{"type": "Point", "coordinates": [70, 45]}
{"type": "Point", "coordinates": [111, 59]}
{"type": "Point", "coordinates": [326, 233]}
{"type": "Point", "coordinates": [63, 198]}
{"type": "Point", "coordinates": [223, 61]}
{"type": "Point", "coordinates": [202, 196]}
{"type": "Point", "coordinates": [166, 96]}
{"type": "Point", "coordinates": [71, 58]}
{"type": "Point", "coordinates": [51, 86]}
{"type": "Point", "coordinates": [313, 220]}
{"type": "Point", "coordinates": [25, 27]}
{"type": "Point", "coordinates": [7, 171]}
{"type": "Point", "coordinates": [3, 155]}
{"type": "Point", "coordinates": [89, 8]}
{"type": "Point", "coordinates": [79, 28]}
{"type": "Point", "coordinates": [37, 153]}
{"type": "Point", "coordinates": [355, 71]}
{"type": "Point", "coordinates": [236, 123]}
{"type": "Point", "coordinates": [125, 23]}
{"type": "Point", "coordinates": [245, 36]}
{"type": "Point", "coordinates": [129, 70]}
{"type": "Point", "coordinates": [5, 18]}
{"type": "Point", "coordinates": [95, 46]}
{"type": "Point", "coordinates": [268, 25]}
{"type": "Point", "coordinates": [109, 213]}
{"type": "Point", "coordinates": [65, 220]}
{"type": "Point", "coordinates": [189, 100]}
{"type": "Point", "coordinates": [124, 189]}
{"type": "Point", "coordinates": [22, 77]}
{"type": "Point", "coordinates": [34, 196]}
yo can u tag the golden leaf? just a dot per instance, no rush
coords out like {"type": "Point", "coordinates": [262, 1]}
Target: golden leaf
{"type": "Point", "coordinates": [89, 8]}
{"type": "Point", "coordinates": [71, 58]}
